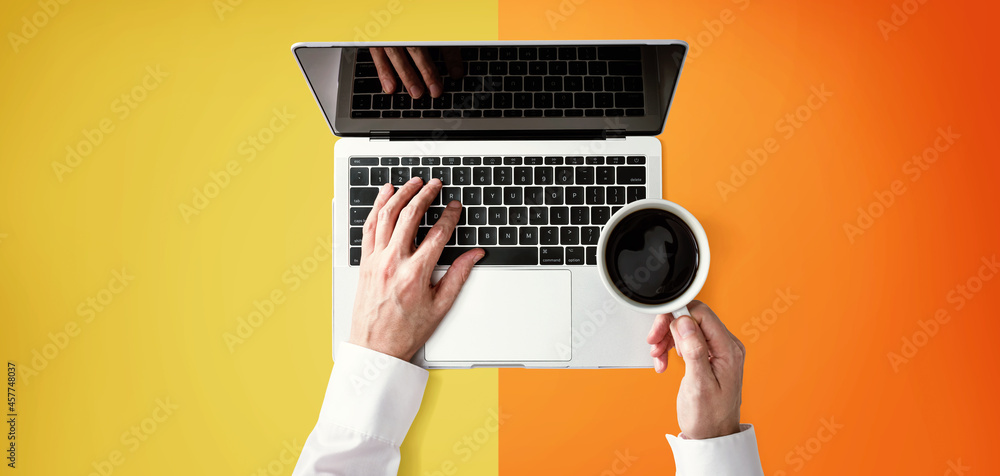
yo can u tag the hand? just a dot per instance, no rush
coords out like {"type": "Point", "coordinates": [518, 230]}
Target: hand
{"type": "Point", "coordinates": [393, 60]}
{"type": "Point", "coordinates": [396, 308]}
{"type": "Point", "coordinates": [708, 402]}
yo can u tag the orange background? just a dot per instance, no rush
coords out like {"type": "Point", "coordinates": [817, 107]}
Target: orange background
{"type": "Point", "coordinates": [826, 356]}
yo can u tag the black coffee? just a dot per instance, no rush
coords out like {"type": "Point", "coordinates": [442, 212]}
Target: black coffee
{"type": "Point", "coordinates": [652, 256]}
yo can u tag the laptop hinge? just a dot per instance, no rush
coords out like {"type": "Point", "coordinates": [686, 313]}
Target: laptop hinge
{"type": "Point", "coordinates": [379, 135]}
{"type": "Point", "coordinates": [614, 133]}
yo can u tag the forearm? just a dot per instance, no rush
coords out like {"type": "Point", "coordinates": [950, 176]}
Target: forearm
{"type": "Point", "coordinates": [370, 403]}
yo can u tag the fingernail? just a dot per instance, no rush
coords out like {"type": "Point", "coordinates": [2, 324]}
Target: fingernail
{"type": "Point", "coordinates": [685, 327]}
{"type": "Point", "coordinates": [386, 87]}
{"type": "Point", "coordinates": [454, 204]}
{"type": "Point", "coordinates": [436, 90]}
{"type": "Point", "coordinates": [417, 91]}
{"type": "Point", "coordinates": [479, 256]}
{"type": "Point", "coordinates": [416, 179]}
{"type": "Point", "coordinates": [434, 181]}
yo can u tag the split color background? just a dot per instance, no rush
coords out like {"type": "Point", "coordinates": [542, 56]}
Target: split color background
{"type": "Point", "coordinates": [149, 385]}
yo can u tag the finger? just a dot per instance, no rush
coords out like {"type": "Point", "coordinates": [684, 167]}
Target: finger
{"type": "Point", "coordinates": [430, 249]}
{"type": "Point", "coordinates": [409, 217]}
{"type": "Point", "coordinates": [721, 343]}
{"type": "Point", "coordinates": [660, 363]}
{"type": "Point", "coordinates": [693, 349]}
{"type": "Point", "coordinates": [427, 69]}
{"type": "Point", "coordinates": [661, 347]}
{"type": "Point", "coordinates": [451, 283]}
{"type": "Point", "coordinates": [411, 80]}
{"type": "Point", "coordinates": [661, 328]}
{"type": "Point", "coordinates": [388, 215]}
{"type": "Point", "coordinates": [386, 75]}
{"type": "Point", "coordinates": [369, 230]}
{"type": "Point", "coordinates": [453, 61]}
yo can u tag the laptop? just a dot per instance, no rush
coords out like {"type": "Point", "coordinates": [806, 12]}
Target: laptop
{"type": "Point", "coordinates": [541, 142]}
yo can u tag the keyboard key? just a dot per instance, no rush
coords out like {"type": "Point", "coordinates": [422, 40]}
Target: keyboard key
{"type": "Point", "coordinates": [604, 100]}
{"type": "Point", "coordinates": [575, 196]}
{"type": "Point", "coordinates": [367, 85]}
{"type": "Point", "coordinates": [434, 214]}
{"type": "Point", "coordinates": [512, 256]}
{"type": "Point", "coordinates": [522, 100]}
{"type": "Point", "coordinates": [512, 195]}
{"type": "Point", "coordinates": [585, 175]}
{"type": "Point", "coordinates": [508, 235]}
{"type": "Point", "coordinates": [591, 255]}
{"type": "Point", "coordinates": [481, 176]}
{"type": "Point", "coordinates": [635, 112]}
{"type": "Point", "coordinates": [472, 161]}
{"type": "Point", "coordinates": [593, 84]}
{"type": "Point", "coordinates": [466, 236]}
{"type": "Point", "coordinates": [559, 215]}
{"type": "Point", "coordinates": [399, 175]}
{"type": "Point", "coordinates": [364, 69]}
{"type": "Point", "coordinates": [543, 100]}
{"type": "Point", "coordinates": [600, 215]}
{"type": "Point", "coordinates": [587, 52]}
{"type": "Point", "coordinates": [381, 101]}
{"type": "Point", "coordinates": [537, 68]}
{"type": "Point", "coordinates": [451, 161]}
{"type": "Point", "coordinates": [355, 256]}
{"type": "Point", "coordinates": [553, 195]}
{"type": "Point", "coordinates": [633, 83]}
{"type": "Point", "coordinates": [364, 161]}
{"type": "Point", "coordinates": [443, 102]}
{"type": "Point", "coordinates": [538, 216]}
{"type": "Point", "coordinates": [462, 176]}
{"type": "Point", "coordinates": [492, 196]}
{"type": "Point", "coordinates": [390, 160]}
{"type": "Point", "coordinates": [410, 160]}
{"type": "Point", "coordinates": [363, 195]}
{"type": "Point", "coordinates": [553, 160]}
{"type": "Point", "coordinates": [569, 235]}
{"type": "Point", "coordinates": [589, 235]}
{"type": "Point", "coordinates": [615, 160]}
{"type": "Point", "coordinates": [392, 114]}
{"type": "Point", "coordinates": [359, 215]}
{"type": "Point", "coordinates": [625, 68]}
{"type": "Point", "coordinates": [517, 68]}
{"type": "Point", "coordinates": [549, 235]}
{"type": "Point", "coordinates": [599, 68]}
{"type": "Point", "coordinates": [503, 100]}
{"type": "Point", "coordinates": [619, 52]}
{"type": "Point", "coordinates": [503, 175]}
{"type": "Point", "coordinates": [522, 175]}
{"type": "Point", "coordinates": [543, 175]}
{"type": "Point", "coordinates": [487, 235]}
{"type": "Point", "coordinates": [472, 196]}
{"type": "Point", "coordinates": [533, 83]}
{"type": "Point", "coordinates": [615, 195]}
{"type": "Point", "coordinates": [553, 83]}
{"type": "Point", "coordinates": [628, 100]}
{"type": "Point", "coordinates": [579, 215]}
{"type": "Point", "coordinates": [567, 53]}
{"type": "Point", "coordinates": [573, 83]}
{"type": "Point", "coordinates": [564, 175]}
{"type": "Point", "coordinates": [613, 83]}
{"type": "Point", "coordinates": [605, 175]}
{"type": "Point", "coordinates": [443, 174]}
{"type": "Point", "coordinates": [401, 101]}
{"type": "Point", "coordinates": [551, 255]}
{"type": "Point", "coordinates": [361, 101]}
{"type": "Point", "coordinates": [513, 83]}
{"type": "Point", "coordinates": [528, 235]}
{"type": "Point", "coordinates": [450, 193]}
{"type": "Point", "coordinates": [574, 255]}
{"type": "Point", "coordinates": [498, 68]}
{"type": "Point", "coordinates": [635, 193]}
{"type": "Point", "coordinates": [518, 215]}
{"type": "Point", "coordinates": [631, 175]}
{"type": "Point", "coordinates": [359, 176]}
{"type": "Point", "coordinates": [497, 216]}
{"type": "Point", "coordinates": [557, 68]}
{"type": "Point", "coordinates": [534, 196]}
{"type": "Point", "coordinates": [477, 215]}
{"type": "Point", "coordinates": [414, 113]}
{"type": "Point", "coordinates": [527, 53]}
{"type": "Point", "coordinates": [423, 172]}
{"type": "Point", "coordinates": [595, 195]}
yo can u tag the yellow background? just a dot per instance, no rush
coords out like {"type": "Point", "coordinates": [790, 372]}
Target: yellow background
{"type": "Point", "coordinates": [162, 336]}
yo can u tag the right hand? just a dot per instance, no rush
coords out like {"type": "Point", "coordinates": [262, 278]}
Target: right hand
{"type": "Point", "coordinates": [709, 398]}
{"type": "Point", "coordinates": [393, 60]}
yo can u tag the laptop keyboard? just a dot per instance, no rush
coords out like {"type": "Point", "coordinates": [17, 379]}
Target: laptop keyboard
{"type": "Point", "coordinates": [515, 81]}
{"type": "Point", "coordinates": [530, 210]}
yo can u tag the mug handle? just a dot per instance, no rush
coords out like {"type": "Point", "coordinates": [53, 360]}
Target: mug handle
{"type": "Point", "coordinates": [681, 312]}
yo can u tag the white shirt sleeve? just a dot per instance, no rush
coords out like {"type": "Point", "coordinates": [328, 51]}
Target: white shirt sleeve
{"type": "Point", "coordinates": [731, 455]}
{"type": "Point", "coordinates": [370, 404]}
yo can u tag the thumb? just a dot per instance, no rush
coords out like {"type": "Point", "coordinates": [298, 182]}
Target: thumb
{"type": "Point", "coordinates": [692, 347]}
{"type": "Point", "coordinates": [453, 280]}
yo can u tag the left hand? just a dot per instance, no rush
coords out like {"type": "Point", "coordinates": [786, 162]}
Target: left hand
{"type": "Point", "coordinates": [396, 308]}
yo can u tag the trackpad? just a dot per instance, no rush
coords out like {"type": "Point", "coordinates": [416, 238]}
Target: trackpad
{"type": "Point", "coordinates": [506, 315]}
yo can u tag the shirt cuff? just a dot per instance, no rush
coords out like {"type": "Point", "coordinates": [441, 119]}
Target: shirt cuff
{"type": "Point", "coordinates": [730, 455]}
{"type": "Point", "coordinates": [373, 393]}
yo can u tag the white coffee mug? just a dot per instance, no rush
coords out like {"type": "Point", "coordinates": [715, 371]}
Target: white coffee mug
{"type": "Point", "coordinates": [678, 305]}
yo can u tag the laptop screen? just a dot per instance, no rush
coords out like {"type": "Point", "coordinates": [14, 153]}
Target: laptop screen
{"type": "Point", "coordinates": [494, 89]}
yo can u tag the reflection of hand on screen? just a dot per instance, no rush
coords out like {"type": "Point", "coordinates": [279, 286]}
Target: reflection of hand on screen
{"type": "Point", "coordinates": [391, 61]}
